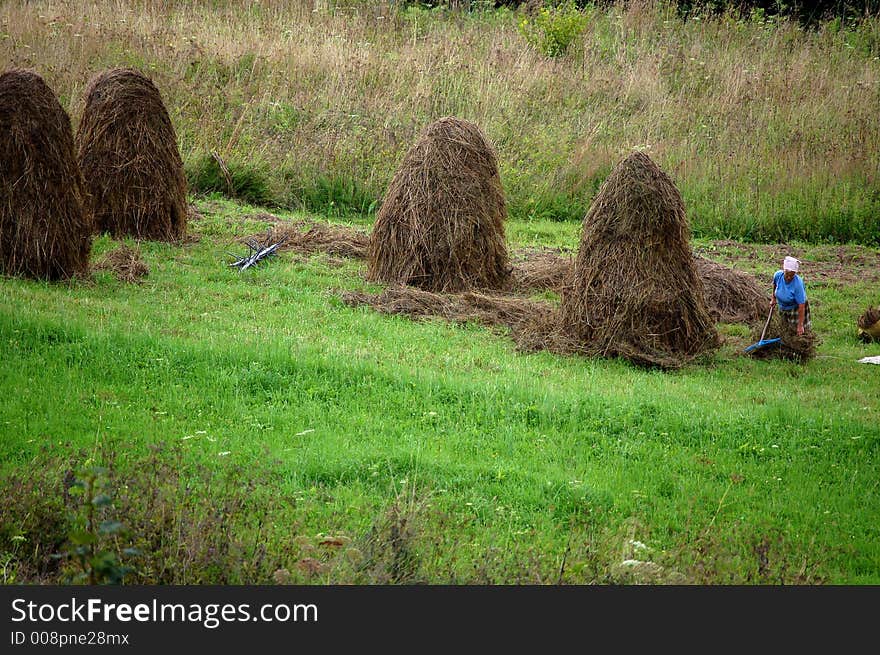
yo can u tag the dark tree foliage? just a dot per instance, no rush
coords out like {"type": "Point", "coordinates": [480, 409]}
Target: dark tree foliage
{"type": "Point", "coordinates": [808, 12]}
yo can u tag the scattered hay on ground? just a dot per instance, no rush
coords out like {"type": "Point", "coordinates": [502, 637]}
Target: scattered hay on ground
{"type": "Point", "coordinates": [127, 150]}
{"type": "Point", "coordinates": [493, 310]}
{"type": "Point", "coordinates": [441, 224]}
{"type": "Point", "coordinates": [125, 263]}
{"type": "Point", "coordinates": [731, 296]}
{"type": "Point", "coordinates": [869, 325]}
{"type": "Point", "coordinates": [45, 230]}
{"type": "Point", "coordinates": [541, 270]}
{"type": "Point", "coordinates": [634, 291]}
{"type": "Point", "coordinates": [308, 238]}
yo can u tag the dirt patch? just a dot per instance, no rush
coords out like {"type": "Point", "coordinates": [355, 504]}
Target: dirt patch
{"type": "Point", "coordinates": [831, 263]}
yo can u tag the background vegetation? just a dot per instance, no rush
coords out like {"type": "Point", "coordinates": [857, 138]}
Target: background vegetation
{"type": "Point", "coordinates": [768, 127]}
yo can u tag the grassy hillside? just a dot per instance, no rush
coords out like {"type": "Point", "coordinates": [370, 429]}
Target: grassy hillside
{"type": "Point", "coordinates": [253, 428]}
{"type": "Point", "coordinates": [769, 130]}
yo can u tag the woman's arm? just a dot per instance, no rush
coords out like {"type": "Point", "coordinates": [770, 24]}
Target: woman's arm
{"type": "Point", "coordinates": [801, 312]}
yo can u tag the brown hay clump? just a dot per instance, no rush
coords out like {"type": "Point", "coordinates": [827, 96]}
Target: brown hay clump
{"type": "Point", "coordinates": [127, 150]}
{"type": "Point", "coordinates": [869, 325]}
{"type": "Point", "coordinates": [125, 263]}
{"type": "Point", "coordinates": [441, 225]}
{"type": "Point", "coordinates": [45, 232]}
{"type": "Point", "coordinates": [731, 296]}
{"type": "Point", "coordinates": [634, 291]}
{"type": "Point", "coordinates": [792, 346]}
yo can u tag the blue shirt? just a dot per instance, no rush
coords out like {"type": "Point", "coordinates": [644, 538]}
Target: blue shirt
{"type": "Point", "coordinates": [789, 294]}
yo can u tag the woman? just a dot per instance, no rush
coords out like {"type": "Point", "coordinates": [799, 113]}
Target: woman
{"type": "Point", "coordinates": [791, 296]}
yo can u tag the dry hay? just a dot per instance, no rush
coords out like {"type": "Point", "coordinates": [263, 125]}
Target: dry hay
{"type": "Point", "coordinates": [634, 291]}
{"type": "Point", "coordinates": [127, 150]}
{"type": "Point", "coordinates": [493, 310]}
{"type": "Point", "coordinates": [441, 224]}
{"type": "Point", "coordinates": [125, 263]}
{"type": "Point", "coordinates": [731, 296]}
{"type": "Point", "coordinates": [45, 231]}
{"type": "Point", "coordinates": [869, 325]}
{"type": "Point", "coordinates": [540, 270]}
{"type": "Point", "coordinates": [309, 238]}
{"type": "Point", "coordinates": [792, 346]}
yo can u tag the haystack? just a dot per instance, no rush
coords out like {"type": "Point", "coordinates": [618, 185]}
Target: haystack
{"type": "Point", "coordinates": [44, 231]}
{"type": "Point", "coordinates": [441, 225]}
{"type": "Point", "coordinates": [127, 151]}
{"type": "Point", "coordinates": [869, 325]}
{"type": "Point", "coordinates": [634, 291]}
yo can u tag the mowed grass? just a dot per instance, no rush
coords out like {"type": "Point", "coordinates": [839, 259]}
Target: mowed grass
{"type": "Point", "coordinates": [323, 444]}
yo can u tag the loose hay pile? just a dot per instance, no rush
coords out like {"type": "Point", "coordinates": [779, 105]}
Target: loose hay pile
{"type": "Point", "coordinates": [634, 291]}
{"type": "Point", "coordinates": [540, 270]}
{"type": "Point", "coordinates": [487, 309]}
{"type": "Point", "coordinates": [125, 263]}
{"type": "Point", "coordinates": [45, 232]}
{"type": "Point", "coordinates": [792, 346]}
{"type": "Point", "coordinates": [441, 225]}
{"type": "Point", "coordinates": [309, 238]}
{"type": "Point", "coordinates": [731, 296]}
{"type": "Point", "coordinates": [127, 150]}
{"type": "Point", "coordinates": [869, 325]}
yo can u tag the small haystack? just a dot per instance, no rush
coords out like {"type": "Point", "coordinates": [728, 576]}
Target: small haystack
{"type": "Point", "coordinates": [441, 225]}
{"type": "Point", "coordinates": [125, 263]}
{"type": "Point", "coordinates": [634, 291]}
{"type": "Point", "coordinates": [869, 325]}
{"type": "Point", "coordinates": [127, 150]}
{"type": "Point", "coordinates": [45, 232]}
{"type": "Point", "coordinates": [731, 296]}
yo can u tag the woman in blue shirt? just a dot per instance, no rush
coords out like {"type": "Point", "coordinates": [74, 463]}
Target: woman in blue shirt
{"type": "Point", "coordinates": [791, 297]}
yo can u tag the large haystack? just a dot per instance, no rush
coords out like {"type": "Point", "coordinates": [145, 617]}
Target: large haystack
{"type": "Point", "coordinates": [634, 291]}
{"type": "Point", "coordinates": [441, 225]}
{"type": "Point", "coordinates": [44, 231]}
{"type": "Point", "coordinates": [127, 150]}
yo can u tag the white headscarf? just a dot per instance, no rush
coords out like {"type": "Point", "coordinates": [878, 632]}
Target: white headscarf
{"type": "Point", "coordinates": [790, 264]}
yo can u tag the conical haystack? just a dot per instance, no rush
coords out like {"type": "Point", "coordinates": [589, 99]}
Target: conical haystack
{"type": "Point", "coordinates": [45, 232]}
{"type": "Point", "coordinates": [441, 225]}
{"type": "Point", "coordinates": [634, 291]}
{"type": "Point", "coordinates": [127, 150]}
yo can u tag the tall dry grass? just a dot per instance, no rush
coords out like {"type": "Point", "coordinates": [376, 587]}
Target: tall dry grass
{"type": "Point", "coordinates": [769, 130]}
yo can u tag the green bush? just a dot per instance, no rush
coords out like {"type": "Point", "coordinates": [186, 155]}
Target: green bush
{"type": "Point", "coordinates": [245, 181]}
{"type": "Point", "coordinates": [554, 29]}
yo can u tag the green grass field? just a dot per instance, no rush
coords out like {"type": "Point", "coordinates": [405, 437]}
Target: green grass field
{"type": "Point", "coordinates": [252, 428]}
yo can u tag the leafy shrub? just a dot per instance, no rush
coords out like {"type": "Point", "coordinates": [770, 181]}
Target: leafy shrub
{"type": "Point", "coordinates": [554, 29]}
{"type": "Point", "coordinates": [242, 181]}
